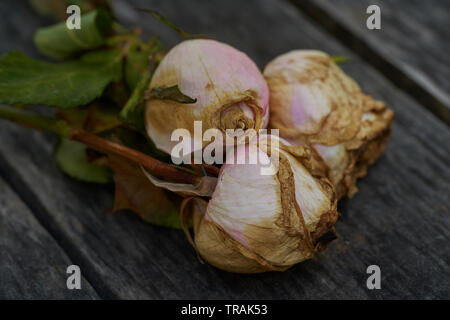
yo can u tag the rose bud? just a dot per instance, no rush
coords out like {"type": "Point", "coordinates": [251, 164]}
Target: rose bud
{"type": "Point", "coordinates": [256, 222]}
{"type": "Point", "coordinates": [230, 90]}
{"type": "Point", "coordinates": [314, 102]}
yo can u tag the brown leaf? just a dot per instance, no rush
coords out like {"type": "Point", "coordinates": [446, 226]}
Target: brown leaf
{"type": "Point", "coordinates": [96, 118]}
{"type": "Point", "coordinates": [135, 192]}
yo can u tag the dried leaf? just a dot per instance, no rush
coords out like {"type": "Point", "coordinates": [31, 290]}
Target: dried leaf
{"type": "Point", "coordinates": [135, 192]}
{"type": "Point", "coordinates": [169, 93]}
{"type": "Point", "coordinates": [96, 118]}
{"type": "Point", "coordinates": [204, 188]}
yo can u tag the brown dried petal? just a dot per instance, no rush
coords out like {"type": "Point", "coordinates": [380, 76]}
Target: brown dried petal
{"type": "Point", "coordinates": [256, 223]}
{"type": "Point", "coordinates": [349, 136]}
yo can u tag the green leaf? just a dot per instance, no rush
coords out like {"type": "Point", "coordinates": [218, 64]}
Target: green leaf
{"type": "Point", "coordinates": [133, 112]}
{"type": "Point", "coordinates": [142, 57]}
{"type": "Point", "coordinates": [169, 24]}
{"type": "Point", "coordinates": [57, 8]}
{"type": "Point", "coordinates": [72, 159]}
{"type": "Point", "coordinates": [139, 72]}
{"type": "Point", "coordinates": [169, 93]}
{"type": "Point", "coordinates": [64, 85]}
{"type": "Point", "coordinates": [339, 59]}
{"type": "Point", "coordinates": [136, 64]}
{"type": "Point", "coordinates": [60, 42]}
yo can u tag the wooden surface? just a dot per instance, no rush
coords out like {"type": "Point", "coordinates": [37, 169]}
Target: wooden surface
{"type": "Point", "coordinates": [399, 220]}
{"type": "Point", "coordinates": [411, 48]}
{"type": "Point", "coordinates": [32, 263]}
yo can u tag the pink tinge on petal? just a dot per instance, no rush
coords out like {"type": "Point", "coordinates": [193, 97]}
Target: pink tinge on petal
{"type": "Point", "coordinates": [248, 112]}
{"type": "Point", "coordinates": [308, 107]}
{"type": "Point", "coordinates": [236, 66]}
{"type": "Point", "coordinates": [208, 69]}
{"type": "Point", "coordinates": [234, 229]}
{"type": "Point", "coordinates": [298, 107]}
{"type": "Point", "coordinates": [246, 176]}
{"type": "Point", "coordinates": [215, 74]}
{"type": "Point", "coordinates": [238, 234]}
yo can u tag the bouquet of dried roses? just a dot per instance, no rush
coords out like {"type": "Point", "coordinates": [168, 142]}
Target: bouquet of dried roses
{"type": "Point", "coordinates": [121, 106]}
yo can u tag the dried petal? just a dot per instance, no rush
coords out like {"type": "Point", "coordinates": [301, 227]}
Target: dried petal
{"type": "Point", "coordinates": [257, 223]}
{"type": "Point", "coordinates": [314, 102]}
{"type": "Point", "coordinates": [204, 188]}
{"type": "Point", "coordinates": [231, 92]}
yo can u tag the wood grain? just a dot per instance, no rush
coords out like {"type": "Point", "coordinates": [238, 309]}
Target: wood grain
{"type": "Point", "coordinates": [399, 220]}
{"type": "Point", "coordinates": [32, 265]}
{"type": "Point", "coordinates": [411, 49]}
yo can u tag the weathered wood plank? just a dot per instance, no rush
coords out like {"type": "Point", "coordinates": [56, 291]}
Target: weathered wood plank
{"type": "Point", "coordinates": [399, 219]}
{"type": "Point", "coordinates": [411, 48]}
{"type": "Point", "coordinates": [32, 265]}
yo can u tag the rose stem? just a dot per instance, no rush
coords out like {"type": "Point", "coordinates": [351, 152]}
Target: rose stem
{"type": "Point", "coordinates": [154, 166]}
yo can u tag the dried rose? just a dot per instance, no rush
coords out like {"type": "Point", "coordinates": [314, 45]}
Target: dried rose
{"type": "Point", "coordinates": [230, 90]}
{"type": "Point", "coordinates": [257, 223]}
{"type": "Point", "coordinates": [314, 102]}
